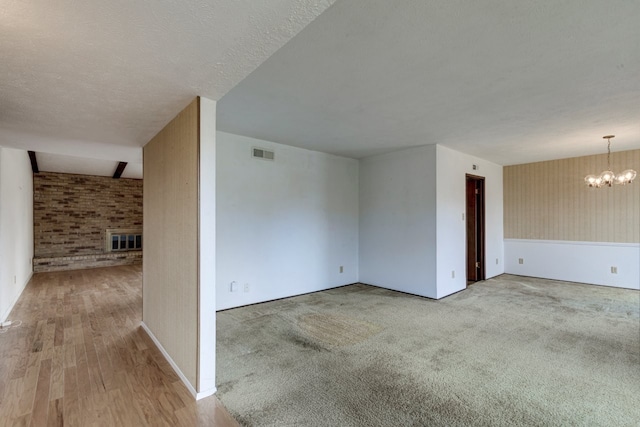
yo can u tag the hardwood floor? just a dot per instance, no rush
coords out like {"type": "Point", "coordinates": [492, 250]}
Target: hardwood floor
{"type": "Point", "coordinates": [80, 358]}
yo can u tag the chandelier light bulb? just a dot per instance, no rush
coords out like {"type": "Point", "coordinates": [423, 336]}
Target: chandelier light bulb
{"type": "Point", "coordinates": [607, 178]}
{"type": "Point", "coordinates": [626, 177]}
{"type": "Point", "coordinates": [592, 180]}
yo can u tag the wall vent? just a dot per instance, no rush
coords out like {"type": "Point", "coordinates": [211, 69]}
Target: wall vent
{"type": "Point", "coordinates": [261, 153]}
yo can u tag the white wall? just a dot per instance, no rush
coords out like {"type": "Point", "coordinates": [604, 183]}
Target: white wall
{"type": "Point", "coordinates": [207, 251]}
{"type": "Point", "coordinates": [412, 232]}
{"type": "Point", "coordinates": [584, 262]}
{"type": "Point", "coordinates": [398, 221]}
{"type": "Point", "coordinates": [16, 226]}
{"type": "Point", "coordinates": [452, 167]}
{"type": "Point", "coordinates": [283, 227]}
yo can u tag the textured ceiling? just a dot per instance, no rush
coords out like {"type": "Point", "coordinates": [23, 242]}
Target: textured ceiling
{"type": "Point", "coordinates": [509, 81]}
{"type": "Point", "coordinates": [101, 78]}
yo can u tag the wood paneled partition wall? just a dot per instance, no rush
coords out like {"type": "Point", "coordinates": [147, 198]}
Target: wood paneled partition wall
{"type": "Point", "coordinates": [177, 268]}
{"type": "Point", "coordinates": [171, 238]}
{"type": "Point", "coordinates": [549, 201]}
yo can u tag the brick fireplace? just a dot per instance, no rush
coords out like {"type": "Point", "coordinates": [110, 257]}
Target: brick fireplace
{"type": "Point", "coordinates": [73, 214]}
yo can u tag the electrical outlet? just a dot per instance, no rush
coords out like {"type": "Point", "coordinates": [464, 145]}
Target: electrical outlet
{"type": "Point", "coordinates": [233, 287]}
{"type": "Point", "coordinates": [453, 274]}
{"type": "Point", "coordinates": [496, 261]}
{"type": "Point", "coordinates": [341, 269]}
{"type": "Point", "coordinates": [520, 260]}
{"type": "Point", "coordinates": [246, 287]}
{"type": "Point", "coordinates": [614, 270]}
{"type": "Point", "coordinates": [14, 280]}
{"type": "Point", "coordinates": [463, 216]}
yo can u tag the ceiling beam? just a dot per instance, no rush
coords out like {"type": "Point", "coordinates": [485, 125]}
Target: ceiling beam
{"type": "Point", "coordinates": [119, 169]}
{"type": "Point", "coordinates": [34, 162]}
{"type": "Point", "coordinates": [118, 173]}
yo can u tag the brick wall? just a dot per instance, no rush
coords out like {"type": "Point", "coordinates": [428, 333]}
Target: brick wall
{"type": "Point", "coordinates": [71, 213]}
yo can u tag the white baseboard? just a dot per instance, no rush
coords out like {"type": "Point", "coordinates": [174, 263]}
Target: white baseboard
{"type": "Point", "coordinates": [583, 262]}
{"type": "Point", "coordinates": [196, 395]}
{"type": "Point", "coordinates": [7, 312]}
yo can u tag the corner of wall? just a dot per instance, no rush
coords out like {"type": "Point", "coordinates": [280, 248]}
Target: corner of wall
{"type": "Point", "coordinates": [397, 220]}
{"type": "Point", "coordinates": [452, 168]}
{"type": "Point", "coordinates": [284, 226]}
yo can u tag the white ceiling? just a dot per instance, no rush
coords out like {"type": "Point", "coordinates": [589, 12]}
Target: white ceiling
{"type": "Point", "coordinates": [48, 162]}
{"type": "Point", "coordinates": [99, 79]}
{"type": "Point", "coordinates": [508, 81]}
{"type": "Point", "coordinates": [511, 82]}
{"type": "Point", "coordinates": [133, 170]}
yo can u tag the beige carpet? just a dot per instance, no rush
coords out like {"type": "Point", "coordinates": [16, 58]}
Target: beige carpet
{"type": "Point", "coordinates": [508, 351]}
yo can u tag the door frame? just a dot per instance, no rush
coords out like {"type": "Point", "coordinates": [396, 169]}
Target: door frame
{"type": "Point", "coordinates": [480, 226]}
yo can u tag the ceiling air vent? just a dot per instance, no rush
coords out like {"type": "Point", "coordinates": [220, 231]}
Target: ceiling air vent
{"type": "Point", "coordinates": [261, 153]}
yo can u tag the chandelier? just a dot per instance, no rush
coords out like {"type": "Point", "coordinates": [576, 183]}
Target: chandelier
{"type": "Point", "coordinates": [608, 178]}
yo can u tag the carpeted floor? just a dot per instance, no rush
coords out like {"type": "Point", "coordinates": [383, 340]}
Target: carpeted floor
{"type": "Point", "coordinates": [508, 351]}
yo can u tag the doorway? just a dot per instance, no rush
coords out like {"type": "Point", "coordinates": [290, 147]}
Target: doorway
{"type": "Point", "coordinates": [475, 229]}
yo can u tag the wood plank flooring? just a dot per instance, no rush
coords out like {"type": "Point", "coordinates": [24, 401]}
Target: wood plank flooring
{"type": "Point", "coordinates": [80, 358]}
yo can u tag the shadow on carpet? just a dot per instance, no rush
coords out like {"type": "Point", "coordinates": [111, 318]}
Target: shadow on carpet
{"type": "Point", "coordinates": [508, 351]}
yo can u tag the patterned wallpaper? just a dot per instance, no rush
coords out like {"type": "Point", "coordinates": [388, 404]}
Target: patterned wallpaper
{"type": "Point", "coordinates": [549, 201]}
